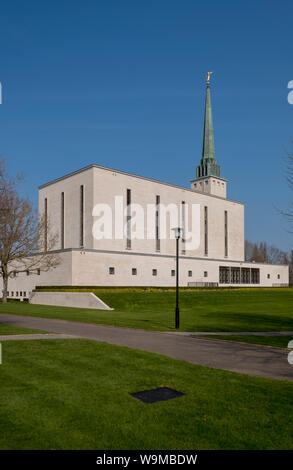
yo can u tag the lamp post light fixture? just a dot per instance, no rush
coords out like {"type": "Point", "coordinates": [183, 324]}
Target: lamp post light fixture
{"type": "Point", "coordinates": [177, 231]}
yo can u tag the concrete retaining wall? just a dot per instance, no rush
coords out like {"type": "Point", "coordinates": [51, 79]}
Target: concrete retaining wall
{"type": "Point", "coordinates": [69, 299]}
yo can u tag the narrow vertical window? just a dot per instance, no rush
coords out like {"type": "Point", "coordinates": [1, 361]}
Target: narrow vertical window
{"type": "Point", "coordinates": [128, 218]}
{"type": "Point", "coordinates": [158, 241]}
{"type": "Point", "coordinates": [62, 221]}
{"type": "Point", "coordinates": [81, 238]}
{"type": "Point", "coordinates": [46, 226]}
{"type": "Point", "coordinates": [206, 246]}
{"type": "Point", "coordinates": [224, 275]}
{"type": "Point", "coordinates": [226, 233]}
{"type": "Point", "coordinates": [255, 276]}
{"type": "Point", "coordinates": [183, 227]}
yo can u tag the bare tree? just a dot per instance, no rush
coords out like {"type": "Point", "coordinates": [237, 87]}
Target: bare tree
{"type": "Point", "coordinates": [291, 268]}
{"type": "Point", "coordinates": [271, 254]}
{"type": "Point", "coordinates": [248, 250]}
{"type": "Point", "coordinates": [256, 255]}
{"type": "Point", "coordinates": [264, 253]}
{"type": "Point", "coordinates": [289, 171]}
{"type": "Point", "coordinates": [26, 241]}
{"type": "Point", "coordinates": [252, 252]}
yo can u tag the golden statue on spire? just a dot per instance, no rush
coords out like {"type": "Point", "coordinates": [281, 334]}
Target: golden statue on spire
{"type": "Point", "coordinates": [208, 78]}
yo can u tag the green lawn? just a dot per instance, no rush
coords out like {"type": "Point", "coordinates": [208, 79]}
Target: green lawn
{"type": "Point", "coordinates": [279, 341]}
{"type": "Point", "coordinates": [74, 394]}
{"type": "Point", "coordinates": [16, 330]}
{"type": "Point", "coordinates": [200, 310]}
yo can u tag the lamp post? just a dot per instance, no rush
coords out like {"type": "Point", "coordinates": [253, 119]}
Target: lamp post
{"type": "Point", "coordinates": [177, 231]}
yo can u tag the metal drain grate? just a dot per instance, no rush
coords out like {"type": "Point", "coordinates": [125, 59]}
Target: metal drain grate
{"type": "Point", "coordinates": [157, 394]}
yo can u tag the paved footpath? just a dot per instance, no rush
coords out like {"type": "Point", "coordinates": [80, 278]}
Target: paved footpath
{"type": "Point", "coordinates": [248, 359]}
{"type": "Point", "coordinates": [28, 337]}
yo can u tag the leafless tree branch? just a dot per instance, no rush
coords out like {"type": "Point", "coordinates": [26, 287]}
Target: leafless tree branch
{"type": "Point", "coordinates": [26, 240]}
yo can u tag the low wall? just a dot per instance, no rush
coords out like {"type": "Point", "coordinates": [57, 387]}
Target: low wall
{"type": "Point", "coordinates": [69, 299]}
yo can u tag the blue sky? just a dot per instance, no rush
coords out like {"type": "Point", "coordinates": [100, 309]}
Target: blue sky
{"type": "Point", "coordinates": [122, 83]}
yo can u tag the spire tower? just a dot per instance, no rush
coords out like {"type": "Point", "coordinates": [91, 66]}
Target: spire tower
{"type": "Point", "coordinates": [208, 173]}
{"type": "Point", "coordinates": [208, 164]}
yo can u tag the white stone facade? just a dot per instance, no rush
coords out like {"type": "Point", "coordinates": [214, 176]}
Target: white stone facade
{"type": "Point", "coordinates": [86, 261]}
{"type": "Point", "coordinates": [101, 185]}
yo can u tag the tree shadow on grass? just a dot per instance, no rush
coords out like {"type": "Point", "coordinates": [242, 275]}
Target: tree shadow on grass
{"type": "Point", "coordinates": [251, 322]}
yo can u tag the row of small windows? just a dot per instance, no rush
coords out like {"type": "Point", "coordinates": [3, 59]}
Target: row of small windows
{"type": "Point", "coordinates": [28, 272]}
{"type": "Point", "coordinates": [234, 275]}
{"type": "Point", "coordinates": [206, 182]}
{"type": "Point", "coordinates": [269, 276]}
{"type": "Point", "coordinates": [154, 272]}
{"type": "Point", "coordinates": [17, 294]}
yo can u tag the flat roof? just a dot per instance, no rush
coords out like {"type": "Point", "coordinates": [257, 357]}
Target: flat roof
{"type": "Point", "coordinates": [166, 255]}
{"type": "Point", "coordinates": [88, 167]}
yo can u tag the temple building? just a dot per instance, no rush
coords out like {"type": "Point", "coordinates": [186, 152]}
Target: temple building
{"type": "Point", "coordinates": [93, 253]}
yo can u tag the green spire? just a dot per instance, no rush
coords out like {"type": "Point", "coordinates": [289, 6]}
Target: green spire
{"type": "Point", "coordinates": [208, 164]}
{"type": "Point", "coordinates": [208, 145]}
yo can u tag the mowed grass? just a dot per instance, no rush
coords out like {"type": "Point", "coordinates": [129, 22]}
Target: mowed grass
{"type": "Point", "coordinates": [200, 310]}
{"type": "Point", "coordinates": [16, 330]}
{"type": "Point", "coordinates": [75, 394]}
{"type": "Point", "coordinates": [277, 341]}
